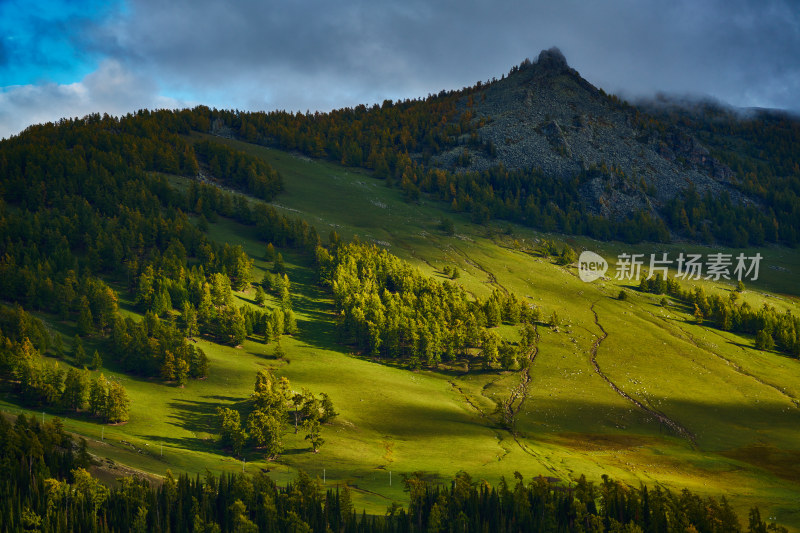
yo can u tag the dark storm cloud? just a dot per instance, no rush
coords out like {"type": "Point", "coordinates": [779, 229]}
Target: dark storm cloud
{"type": "Point", "coordinates": [321, 54]}
{"type": "Point", "coordinates": [314, 54]}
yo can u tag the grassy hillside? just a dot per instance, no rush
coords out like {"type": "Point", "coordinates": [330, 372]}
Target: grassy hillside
{"type": "Point", "coordinates": [607, 386]}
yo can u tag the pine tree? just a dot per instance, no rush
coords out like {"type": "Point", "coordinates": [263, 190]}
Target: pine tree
{"type": "Point", "coordinates": [189, 315]}
{"type": "Point", "coordinates": [181, 372]}
{"type": "Point", "coordinates": [313, 436]}
{"type": "Point", "coordinates": [75, 387]}
{"type": "Point", "coordinates": [278, 352]}
{"type": "Point", "coordinates": [269, 253]}
{"type": "Point", "coordinates": [289, 322]}
{"type": "Point", "coordinates": [97, 361]}
{"type": "Point", "coordinates": [241, 523]}
{"type": "Point", "coordinates": [698, 314]}
{"type": "Point", "coordinates": [260, 297]}
{"type": "Point", "coordinates": [117, 403]}
{"type": "Point", "coordinates": [168, 367]}
{"type": "Point", "coordinates": [85, 322]}
{"type": "Point", "coordinates": [265, 429]}
{"type": "Point", "coordinates": [231, 433]}
{"type": "Point", "coordinates": [98, 395]}
{"type": "Point", "coordinates": [277, 266]}
{"type": "Point", "coordinates": [58, 345]}
{"type": "Point", "coordinates": [554, 321]}
{"type": "Point", "coordinates": [78, 352]}
{"type": "Point", "coordinates": [328, 412]}
{"type": "Point", "coordinates": [764, 340]}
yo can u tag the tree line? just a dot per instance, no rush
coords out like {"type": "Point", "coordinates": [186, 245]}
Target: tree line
{"type": "Point", "coordinates": [396, 140]}
{"type": "Point", "coordinates": [771, 328]}
{"type": "Point", "coordinates": [45, 485]}
{"type": "Point", "coordinates": [761, 149]}
{"type": "Point", "coordinates": [240, 170]}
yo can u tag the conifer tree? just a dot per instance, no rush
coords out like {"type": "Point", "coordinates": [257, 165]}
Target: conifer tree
{"type": "Point", "coordinates": [75, 388]}
{"type": "Point", "coordinates": [97, 361]}
{"type": "Point", "coordinates": [79, 353]}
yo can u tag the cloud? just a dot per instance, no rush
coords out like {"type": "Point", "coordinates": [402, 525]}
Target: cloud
{"type": "Point", "coordinates": [111, 89]}
{"type": "Point", "coordinates": [319, 55]}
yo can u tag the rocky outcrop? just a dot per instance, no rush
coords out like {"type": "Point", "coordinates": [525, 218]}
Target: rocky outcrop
{"type": "Point", "coordinates": [545, 115]}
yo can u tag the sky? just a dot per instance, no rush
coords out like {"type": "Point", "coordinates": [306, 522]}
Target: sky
{"type": "Point", "coordinates": [69, 58]}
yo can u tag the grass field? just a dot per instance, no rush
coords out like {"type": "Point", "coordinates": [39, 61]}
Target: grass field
{"type": "Point", "coordinates": [741, 406]}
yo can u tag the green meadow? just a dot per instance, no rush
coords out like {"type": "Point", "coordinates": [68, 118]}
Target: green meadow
{"type": "Point", "coordinates": [740, 407]}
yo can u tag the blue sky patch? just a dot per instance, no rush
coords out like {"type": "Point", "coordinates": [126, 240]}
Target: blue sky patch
{"type": "Point", "coordinates": [43, 41]}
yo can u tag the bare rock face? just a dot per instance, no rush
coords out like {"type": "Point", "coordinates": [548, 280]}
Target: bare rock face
{"type": "Point", "coordinates": [544, 115]}
{"type": "Point", "coordinates": [552, 60]}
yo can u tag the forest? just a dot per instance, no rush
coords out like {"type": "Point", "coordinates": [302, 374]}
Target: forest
{"type": "Point", "coordinates": [92, 214]}
{"type": "Point", "coordinates": [46, 486]}
{"type": "Point", "coordinates": [100, 236]}
{"type": "Point", "coordinates": [396, 141]}
{"type": "Point", "coordinates": [761, 148]}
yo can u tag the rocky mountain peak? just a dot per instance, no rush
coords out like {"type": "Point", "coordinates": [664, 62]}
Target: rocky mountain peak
{"type": "Point", "coordinates": [552, 59]}
{"type": "Point", "coordinates": [546, 116]}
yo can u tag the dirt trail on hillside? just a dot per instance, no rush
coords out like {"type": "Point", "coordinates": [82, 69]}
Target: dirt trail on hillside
{"type": "Point", "coordinates": [521, 391]}
{"type": "Point", "coordinates": [661, 417]}
{"type": "Point", "coordinates": [735, 366]}
{"type": "Point", "coordinates": [492, 278]}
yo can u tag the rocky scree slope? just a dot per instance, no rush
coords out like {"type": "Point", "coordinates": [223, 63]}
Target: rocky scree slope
{"type": "Point", "coordinates": [545, 115]}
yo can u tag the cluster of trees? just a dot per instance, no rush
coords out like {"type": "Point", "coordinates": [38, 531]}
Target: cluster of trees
{"type": "Point", "coordinates": [375, 137]}
{"type": "Point", "coordinates": [772, 329]}
{"type": "Point", "coordinates": [389, 309]}
{"type": "Point", "coordinates": [761, 148]}
{"type": "Point", "coordinates": [40, 383]}
{"type": "Point", "coordinates": [565, 255]}
{"type": "Point", "coordinates": [397, 140]}
{"type": "Point", "coordinates": [209, 202]}
{"type": "Point", "coordinates": [715, 218]}
{"type": "Point", "coordinates": [273, 406]}
{"type": "Point", "coordinates": [156, 348]}
{"type": "Point", "coordinates": [240, 170]}
{"type": "Point", "coordinates": [46, 486]}
{"type": "Point", "coordinates": [529, 197]}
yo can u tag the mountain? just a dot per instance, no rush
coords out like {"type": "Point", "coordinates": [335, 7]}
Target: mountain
{"type": "Point", "coordinates": [545, 115]}
{"type": "Point", "coordinates": [541, 147]}
{"type": "Point", "coordinates": [174, 274]}
{"type": "Point", "coordinates": [545, 148]}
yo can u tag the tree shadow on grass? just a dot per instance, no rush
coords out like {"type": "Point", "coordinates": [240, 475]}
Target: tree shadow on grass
{"type": "Point", "coordinates": [232, 399]}
{"type": "Point", "coordinates": [200, 416]}
{"type": "Point", "coordinates": [317, 327]}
